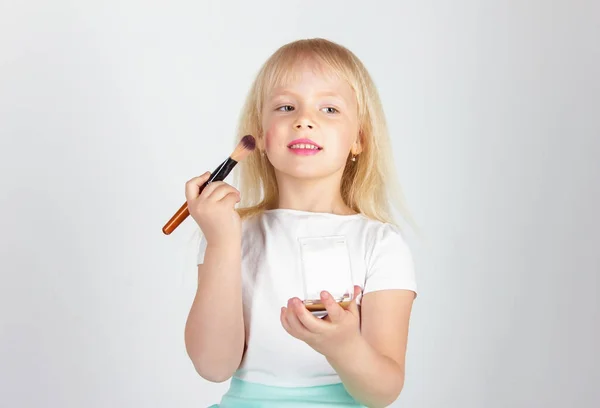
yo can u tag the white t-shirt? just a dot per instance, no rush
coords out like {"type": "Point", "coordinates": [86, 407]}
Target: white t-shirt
{"type": "Point", "coordinates": [283, 246]}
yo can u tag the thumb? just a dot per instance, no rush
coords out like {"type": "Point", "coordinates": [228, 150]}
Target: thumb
{"type": "Point", "coordinates": [192, 187]}
{"type": "Point", "coordinates": [334, 311]}
{"type": "Point", "coordinates": [353, 307]}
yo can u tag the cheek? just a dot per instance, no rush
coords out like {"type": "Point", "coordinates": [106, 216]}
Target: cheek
{"type": "Point", "coordinates": [269, 138]}
{"type": "Point", "coordinates": [273, 132]}
{"type": "Point", "coordinates": [344, 136]}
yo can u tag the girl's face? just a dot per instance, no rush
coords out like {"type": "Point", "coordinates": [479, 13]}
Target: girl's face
{"type": "Point", "coordinates": [311, 125]}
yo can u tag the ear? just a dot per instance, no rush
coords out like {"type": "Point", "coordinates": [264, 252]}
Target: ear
{"type": "Point", "coordinates": [357, 146]}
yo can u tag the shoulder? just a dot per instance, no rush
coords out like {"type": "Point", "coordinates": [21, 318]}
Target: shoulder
{"type": "Point", "coordinates": [389, 259]}
{"type": "Point", "coordinates": [382, 238]}
{"type": "Point", "coordinates": [384, 231]}
{"type": "Point", "coordinates": [386, 243]}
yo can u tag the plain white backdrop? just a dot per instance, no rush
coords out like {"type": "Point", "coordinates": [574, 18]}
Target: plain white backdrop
{"type": "Point", "coordinates": [107, 108]}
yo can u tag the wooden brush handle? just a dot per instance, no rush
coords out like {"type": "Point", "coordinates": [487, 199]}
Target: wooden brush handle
{"type": "Point", "coordinates": [176, 219]}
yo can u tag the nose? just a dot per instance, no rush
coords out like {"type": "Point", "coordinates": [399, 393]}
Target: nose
{"type": "Point", "coordinates": [303, 121]}
{"type": "Point", "coordinates": [300, 125]}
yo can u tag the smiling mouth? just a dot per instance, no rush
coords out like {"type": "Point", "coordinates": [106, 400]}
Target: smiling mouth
{"type": "Point", "coordinates": [304, 146]}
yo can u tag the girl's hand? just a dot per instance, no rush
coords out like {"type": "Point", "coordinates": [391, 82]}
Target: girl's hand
{"type": "Point", "coordinates": [330, 335]}
{"type": "Point", "coordinates": [214, 210]}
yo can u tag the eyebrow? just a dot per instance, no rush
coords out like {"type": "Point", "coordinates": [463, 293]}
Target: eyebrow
{"type": "Point", "coordinates": [283, 92]}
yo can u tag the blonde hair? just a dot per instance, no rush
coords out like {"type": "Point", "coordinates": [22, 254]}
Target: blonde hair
{"type": "Point", "coordinates": [369, 184]}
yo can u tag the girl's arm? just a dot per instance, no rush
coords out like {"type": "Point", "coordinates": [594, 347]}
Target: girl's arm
{"type": "Point", "coordinates": [214, 332]}
{"type": "Point", "coordinates": [372, 365]}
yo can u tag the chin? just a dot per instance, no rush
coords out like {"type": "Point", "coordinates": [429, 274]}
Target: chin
{"type": "Point", "coordinates": [307, 172]}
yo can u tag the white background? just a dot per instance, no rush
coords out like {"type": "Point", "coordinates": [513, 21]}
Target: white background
{"type": "Point", "coordinates": [107, 108]}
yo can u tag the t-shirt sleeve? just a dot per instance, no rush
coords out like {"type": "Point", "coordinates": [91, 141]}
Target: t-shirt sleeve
{"type": "Point", "coordinates": [201, 250]}
{"type": "Point", "coordinates": [390, 264]}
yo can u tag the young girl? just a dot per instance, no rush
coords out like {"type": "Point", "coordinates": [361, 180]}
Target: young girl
{"type": "Point", "coordinates": [322, 169]}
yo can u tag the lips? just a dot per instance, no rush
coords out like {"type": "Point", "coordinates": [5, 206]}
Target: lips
{"type": "Point", "coordinates": [304, 144]}
{"type": "Point", "coordinates": [304, 147]}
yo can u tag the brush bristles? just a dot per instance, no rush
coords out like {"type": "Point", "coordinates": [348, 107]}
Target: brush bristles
{"type": "Point", "coordinates": [246, 145]}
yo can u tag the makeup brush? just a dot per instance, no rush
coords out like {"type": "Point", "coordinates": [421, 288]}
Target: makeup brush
{"type": "Point", "coordinates": [244, 147]}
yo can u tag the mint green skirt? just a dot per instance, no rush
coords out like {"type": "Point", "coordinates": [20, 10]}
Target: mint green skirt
{"type": "Point", "coordinates": [243, 394]}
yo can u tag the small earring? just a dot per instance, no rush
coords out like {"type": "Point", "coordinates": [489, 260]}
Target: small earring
{"type": "Point", "coordinates": [353, 158]}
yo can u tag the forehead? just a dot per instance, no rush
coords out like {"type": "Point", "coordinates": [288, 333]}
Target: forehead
{"type": "Point", "coordinates": [307, 75]}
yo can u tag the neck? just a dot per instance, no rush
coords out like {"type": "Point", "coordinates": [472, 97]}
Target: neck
{"type": "Point", "coordinates": [313, 195]}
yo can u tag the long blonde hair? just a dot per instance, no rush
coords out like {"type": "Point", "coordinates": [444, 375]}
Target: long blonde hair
{"type": "Point", "coordinates": [368, 184]}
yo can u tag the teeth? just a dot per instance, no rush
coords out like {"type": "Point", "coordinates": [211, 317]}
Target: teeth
{"type": "Point", "coordinates": [304, 146]}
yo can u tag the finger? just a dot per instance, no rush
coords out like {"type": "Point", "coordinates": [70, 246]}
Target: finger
{"type": "Point", "coordinates": [218, 190]}
{"type": "Point", "coordinates": [192, 187]}
{"type": "Point", "coordinates": [210, 187]}
{"type": "Point", "coordinates": [313, 324]}
{"type": "Point", "coordinates": [230, 200]}
{"type": "Point", "coordinates": [334, 310]}
{"type": "Point", "coordinates": [296, 326]}
{"type": "Point", "coordinates": [353, 307]}
{"type": "Point", "coordinates": [284, 321]}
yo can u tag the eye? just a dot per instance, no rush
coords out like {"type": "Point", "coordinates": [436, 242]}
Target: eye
{"type": "Point", "coordinates": [329, 109]}
{"type": "Point", "coordinates": [285, 108]}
